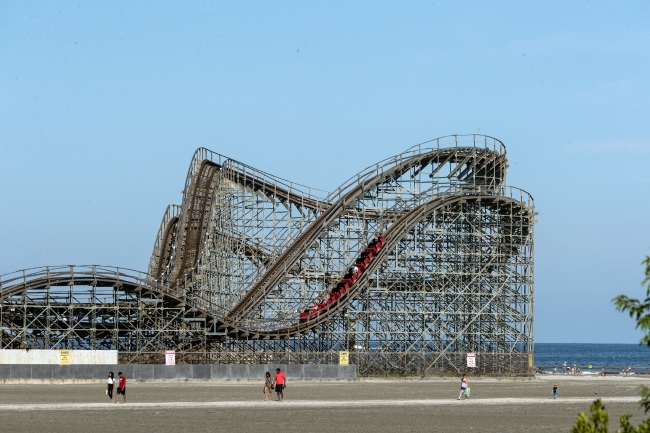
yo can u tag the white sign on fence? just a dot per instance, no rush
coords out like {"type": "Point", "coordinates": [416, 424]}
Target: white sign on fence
{"type": "Point", "coordinates": [471, 359]}
{"type": "Point", "coordinates": [170, 357]}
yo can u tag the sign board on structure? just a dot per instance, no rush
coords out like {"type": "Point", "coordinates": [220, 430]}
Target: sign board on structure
{"type": "Point", "coordinates": [471, 360]}
{"type": "Point", "coordinates": [344, 357]}
{"type": "Point", "coordinates": [65, 357]}
{"type": "Point", "coordinates": [530, 360]}
{"type": "Point", "coordinates": [170, 357]}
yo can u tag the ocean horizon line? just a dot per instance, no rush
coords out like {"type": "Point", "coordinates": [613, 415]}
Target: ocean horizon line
{"type": "Point", "coordinates": [622, 344]}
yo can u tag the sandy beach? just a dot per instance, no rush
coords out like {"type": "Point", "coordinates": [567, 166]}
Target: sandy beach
{"type": "Point", "coordinates": [367, 406]}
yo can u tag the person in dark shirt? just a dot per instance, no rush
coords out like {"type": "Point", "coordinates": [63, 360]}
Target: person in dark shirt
{"type": "Point", "coordinates": [554, 391]}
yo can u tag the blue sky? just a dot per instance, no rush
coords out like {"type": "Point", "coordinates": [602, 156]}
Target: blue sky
{"type": "Point", "coordinates": [103, 103]}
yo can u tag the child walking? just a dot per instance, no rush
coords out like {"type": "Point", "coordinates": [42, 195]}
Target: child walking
{"type": "Point", "coordinates": [554, 391]}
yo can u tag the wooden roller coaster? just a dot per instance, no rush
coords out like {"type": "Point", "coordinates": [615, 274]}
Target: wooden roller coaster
{"type": "Point", "coordinates": [409, 265]}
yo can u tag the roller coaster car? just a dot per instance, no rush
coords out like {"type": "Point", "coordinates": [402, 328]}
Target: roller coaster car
{"type": "Point", "coordinates": [348, 280]}
{"type": "Point", "coordinates": [308, 315]}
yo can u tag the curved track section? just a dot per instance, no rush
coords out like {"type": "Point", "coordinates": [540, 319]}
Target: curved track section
{"type": "Point", "coordinates": [396, 233]}
{"type": "Point", "coordinates": [183, 232]}
{"type": "Point", "coordinates": [93, 307]}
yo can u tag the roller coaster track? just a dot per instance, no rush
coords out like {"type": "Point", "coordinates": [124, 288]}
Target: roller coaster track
{"type": "Point", "coordinates": [480, 163]}
{"type": "Point", "coordinates": [15, 288]}
{"type": "Point", "coordinates": [243, 303]}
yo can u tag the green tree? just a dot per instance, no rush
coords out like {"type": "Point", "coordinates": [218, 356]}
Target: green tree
{"type": "Point", "coordinates": [597, 421]}
{"type": "Point", "coordinates": [638, 310]}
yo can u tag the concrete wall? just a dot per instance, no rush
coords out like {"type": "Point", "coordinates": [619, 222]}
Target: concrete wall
{"type": "Point", "coordinates": [13, 356]}
{"type": "Point", "coordinates": [45, 372]}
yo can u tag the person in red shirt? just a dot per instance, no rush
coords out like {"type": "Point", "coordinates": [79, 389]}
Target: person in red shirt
{"type": "Point", "coordinates": [121, 388]}
{"type": "Point", "coordinates": [280, 383]}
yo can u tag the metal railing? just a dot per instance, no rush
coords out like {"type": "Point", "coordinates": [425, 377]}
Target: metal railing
{"type": "Point", "coordinates": [55, 275]}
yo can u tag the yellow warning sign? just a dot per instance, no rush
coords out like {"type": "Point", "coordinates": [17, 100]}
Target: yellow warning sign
{"type": "Point", "coordinates": [65, 357]}
{"type": "Point", "coordinates": [344, 357]}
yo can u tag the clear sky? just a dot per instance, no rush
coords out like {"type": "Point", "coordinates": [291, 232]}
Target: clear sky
{"type": "Point", "coordinates": [103, 103]}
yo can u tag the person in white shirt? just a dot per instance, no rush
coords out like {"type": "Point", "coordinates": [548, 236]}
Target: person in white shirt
{"type": "Point", "coordinates": [109, 386]}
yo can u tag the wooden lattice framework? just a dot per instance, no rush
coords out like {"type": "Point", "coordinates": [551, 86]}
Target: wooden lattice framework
{"type": "Point", "coordinates": [235, 264]}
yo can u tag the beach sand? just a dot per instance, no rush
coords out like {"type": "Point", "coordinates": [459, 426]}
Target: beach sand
{"type": "Point", "coordinates": [366, 406]}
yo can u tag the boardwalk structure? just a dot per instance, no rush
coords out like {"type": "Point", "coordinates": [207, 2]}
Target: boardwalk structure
{"type": "Point", "coordinates": [409, 265]}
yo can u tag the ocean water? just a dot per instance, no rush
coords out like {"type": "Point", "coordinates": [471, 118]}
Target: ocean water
{"type": "Point", "coordinates": [595, 354]}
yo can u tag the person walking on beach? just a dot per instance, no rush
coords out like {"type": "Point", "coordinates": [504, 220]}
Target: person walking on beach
{"type": "Point", "coordinates": [268, 387]}
{"type": "Point", "coordinates": [463, 387]}
{"type": "Point", "coordinates": [109, 386]}
{"type": "Point", "coordinates": [121, 388]}
{"type": "Point", "coordinates": [554, 391]}
{"type": "Point", "coordinates": [280, 384]}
